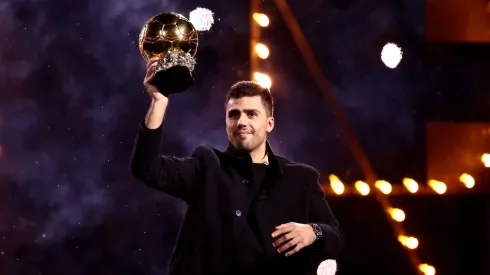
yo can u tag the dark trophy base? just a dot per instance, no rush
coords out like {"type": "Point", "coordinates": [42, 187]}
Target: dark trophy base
{"type": "Point", "coordinates": [173, 80]}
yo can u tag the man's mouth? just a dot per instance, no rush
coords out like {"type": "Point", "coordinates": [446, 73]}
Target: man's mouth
{"type": "Point", "coordinates": [243, 133]}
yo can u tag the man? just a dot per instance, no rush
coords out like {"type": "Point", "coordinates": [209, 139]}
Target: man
{"type": "Point", "coordinates": [249, 210]}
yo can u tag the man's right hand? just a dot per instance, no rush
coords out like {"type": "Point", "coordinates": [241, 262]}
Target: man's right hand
{"type": "Point", "coordinates": [153, 91]}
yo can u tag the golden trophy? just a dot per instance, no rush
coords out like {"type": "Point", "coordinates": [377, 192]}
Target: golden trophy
{"type": "Point", "coordinates": [172, 38]}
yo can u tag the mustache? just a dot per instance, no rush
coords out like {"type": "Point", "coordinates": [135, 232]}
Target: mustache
{"type": "Point", "coordinates": [247, 131]}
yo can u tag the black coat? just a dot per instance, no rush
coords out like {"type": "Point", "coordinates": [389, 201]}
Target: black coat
{"type": "Point", "coordinates": [208, 181]}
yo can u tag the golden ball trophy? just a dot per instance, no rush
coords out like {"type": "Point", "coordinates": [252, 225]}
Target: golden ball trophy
{"type": "Point", "coordinates": [172, 38]}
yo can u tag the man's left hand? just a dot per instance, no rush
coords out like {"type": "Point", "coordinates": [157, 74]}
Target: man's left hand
{"type": "Point", "coordinates": [293, 234]}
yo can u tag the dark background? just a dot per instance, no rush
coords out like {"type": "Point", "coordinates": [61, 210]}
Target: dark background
{"type": "Point", "coordinates": [71, 98]}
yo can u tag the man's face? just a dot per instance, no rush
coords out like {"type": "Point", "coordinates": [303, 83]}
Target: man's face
{"type": "Point", "coordinates": [247, 123]}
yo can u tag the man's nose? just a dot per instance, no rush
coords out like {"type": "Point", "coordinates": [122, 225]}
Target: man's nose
{"type": "Point", "coordinates": [242, 121]}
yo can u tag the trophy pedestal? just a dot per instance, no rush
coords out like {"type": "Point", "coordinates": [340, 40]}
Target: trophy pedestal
{"type": "Point", "coordinates": [174, 80]}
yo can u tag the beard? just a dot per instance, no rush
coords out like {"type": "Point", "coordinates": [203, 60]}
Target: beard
{"type": "Point", "coordinates": [246, 145]}
{"type": "Point", "coordinates": [250, 143]}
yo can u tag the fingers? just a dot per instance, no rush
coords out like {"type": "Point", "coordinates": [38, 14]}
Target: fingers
{"type": "Point", "coordinates": [296, 243]}
{"type": "Point", "coordinates": [286, 241]}
{"type": "Point", "coordinates": [150, 72]}
{"type": "Point", "coordinates": [151, 61]}
{"type": "Point", "coordinates": [283, 228]}
{"type": "Point", "coordinates": [283, 239]}
{"type": "Point", "coordinates": [150, 66]}
{"type": "Point", "coordinates": [298, 247]}
{"type": "Point", "coordinates": [289, 237]}
{"type": "Point", "coordinates": [289, 224]}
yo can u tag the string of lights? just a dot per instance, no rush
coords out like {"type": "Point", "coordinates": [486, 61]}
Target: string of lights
{"type": "Point", "coordinates": [258, 50]}
{"type": "Point", "coordinates": [409, 187]}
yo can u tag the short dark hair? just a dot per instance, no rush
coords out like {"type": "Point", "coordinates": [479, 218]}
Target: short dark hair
{"type": "Point", "coordinates": [250, 88]}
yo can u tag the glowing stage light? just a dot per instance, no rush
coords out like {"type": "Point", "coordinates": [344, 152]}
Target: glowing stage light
{"type": "Point", "coordinates": [262, 50]}
{"type": "Point", "coordinates": [427, 269]}
{"type": "Point", "coordinates": [438, 186]}
{"type": "Point", "coordinates": [336, 184]}
{"type": "Point", "coordinates": [383, 186]}
{"type": "Point", "coordinates": [263, 80]}
{"type": "Point", "coordinates": [411, 185]}
{"type": "Point", "coordinates": [467, 180]}
{"type": "Point", "coordinates": [362, 188]}
{"type": "Point", "coordinates": [261, 19]}
{"type": "Point", "coordinates": [397, 214]}
{"type": "Point", "coordinates": [409, 242]}
{"type": "Point", "coordinates": [485, 158]}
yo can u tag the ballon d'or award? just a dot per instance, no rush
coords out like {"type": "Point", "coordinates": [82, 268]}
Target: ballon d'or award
{"type": "Point", "coordinates": [172, 38]}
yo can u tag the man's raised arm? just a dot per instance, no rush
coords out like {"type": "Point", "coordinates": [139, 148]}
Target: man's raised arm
{"type": "Point", "coordinates": [174, 176]}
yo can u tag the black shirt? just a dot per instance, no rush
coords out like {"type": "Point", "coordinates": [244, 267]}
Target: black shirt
{"type": "Point", "coordinates": [249, 251]}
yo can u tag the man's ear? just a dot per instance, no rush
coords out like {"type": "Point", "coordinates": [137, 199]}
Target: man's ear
{"type": "Point", "coordinates": [270, 124]}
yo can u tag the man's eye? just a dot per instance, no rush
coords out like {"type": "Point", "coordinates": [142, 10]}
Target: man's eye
{"type": "Point", "coordinates": [233, 114]}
